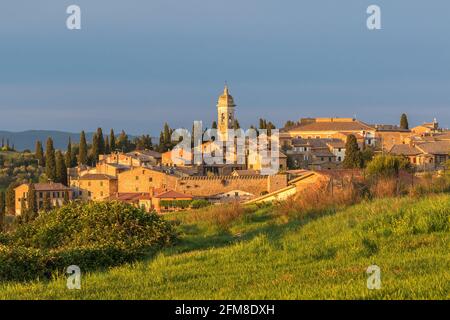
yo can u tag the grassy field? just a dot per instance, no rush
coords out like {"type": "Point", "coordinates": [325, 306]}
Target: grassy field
{"type": "Point", "coordinates": [266, 256]}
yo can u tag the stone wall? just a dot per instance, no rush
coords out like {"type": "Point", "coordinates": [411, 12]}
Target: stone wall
{"type": "Point", "coordinates": [208, 186]}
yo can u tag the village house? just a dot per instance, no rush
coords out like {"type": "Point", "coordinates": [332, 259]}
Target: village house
{"type": "Point", "coordinates": [315, 153]}
{"type": "Point", "coordinates": [94, 186]}
{"type": "Point", "coordinates": [424, 155]}
{"type": "Point", "coordinates": [329, 128]}
{"type": "Point", "coordinates": [427, 128]}
{"type": "Point", "coordinates": [56, 193]}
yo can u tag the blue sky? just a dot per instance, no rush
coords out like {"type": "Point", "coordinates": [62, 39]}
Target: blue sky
{"type": "Point", "coordinates": [138, 63]}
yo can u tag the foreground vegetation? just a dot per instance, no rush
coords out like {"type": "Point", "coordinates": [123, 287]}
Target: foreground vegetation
{"type": "Point", "coordinates": [271, 253]}
{"type": "Point", "coordinates": [89, 235]}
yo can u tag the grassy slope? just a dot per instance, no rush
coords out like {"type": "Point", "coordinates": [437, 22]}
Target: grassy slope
{"type": "Point", "coordinates": [324, 258]}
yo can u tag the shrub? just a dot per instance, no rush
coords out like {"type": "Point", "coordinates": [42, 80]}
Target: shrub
{"type": "Point", "coordinates": [90, 235]}
{"type": "Point", "coordinates": [386, 166]}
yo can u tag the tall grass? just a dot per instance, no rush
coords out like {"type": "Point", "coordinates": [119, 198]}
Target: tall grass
{"type": "Point", "coordinates": [221, 216]}
{"type": "Point", "coordinates": [317, 201]}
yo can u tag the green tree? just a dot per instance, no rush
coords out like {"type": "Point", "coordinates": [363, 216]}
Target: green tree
{"type": "Point", "coordinates": [46, 205]}
{"type": "Point", "coordinates": [353, 158]}
{"type": "Point", "coordinates": [112, 141]}
{"type": "Point", "coordinates": [95, 150]}
{"type": "Point", "coordinates": [404, 121]}
{"type": "Point", "coordinates": [289, 124]}
{"type": "Point", "coordinates": [39, 154]}
{"type": "Point", "coordinates": [387, 166]}
{"type": "Point", "coordinates": [10, 200]}
{"type": "Point", "coordinates": [123, 142]}
{"type": "Point", "coordinates": [83, 152]}
{"type": "Point", "coordinates": [100, 141]}
{"type": "Point", "coordinates": [66, 197]}
{"type": "Point", "coordinates": [2, 211]}
{"type": "Point", "coordinates": [61, 169]}
{"type": "Point", "coordinates": [50, 160]}
{"type": "Point", "coordinates": [107, 147]}
{"type": "Point", "coordinates": [214, 125]}
{"type": "Point", "coordinates": [31, 203]}
{"type": "Point", "coordinates": [167, 134]}
{"type": "Point", "coordinates": [68, 155]}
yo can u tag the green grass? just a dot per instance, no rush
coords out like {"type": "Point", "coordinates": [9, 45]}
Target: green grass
{"type": "Point", "coordinates": [264, 257]}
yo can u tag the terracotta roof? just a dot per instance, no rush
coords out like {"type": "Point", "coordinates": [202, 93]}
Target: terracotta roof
{"type": "Point", "coordinates": [50, 187]}
{"type": "Point", "coordinates": [437, 147]}
{"type": "Point", "coordinates": [405, 150]}
{"type": "Point", "coordinates": [336, 144]}
{"type": "Point", "coordinates": [130, 196]}
{"type": "Point", "coordinates": [172, 194]}
{"type": "Point", "coordinates": [97, 176]}
{"type": "Point", "coordinates": [354, 125]}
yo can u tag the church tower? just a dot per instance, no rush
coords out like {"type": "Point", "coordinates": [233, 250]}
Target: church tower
{"type": "Point", "coordinates": [225, 112]}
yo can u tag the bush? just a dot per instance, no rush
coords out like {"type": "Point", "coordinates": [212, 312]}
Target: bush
{"type": "Point", "coordinates": [90, 235]}
{"type": "Point", "coordinates": [386, 166]}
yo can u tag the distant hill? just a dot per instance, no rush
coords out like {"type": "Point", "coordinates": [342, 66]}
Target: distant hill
{"type": "Point", "coordinates": [27, 139]}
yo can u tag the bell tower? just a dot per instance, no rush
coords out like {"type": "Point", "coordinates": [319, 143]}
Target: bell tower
{"type": "Point", "coordinates": [225, 113]}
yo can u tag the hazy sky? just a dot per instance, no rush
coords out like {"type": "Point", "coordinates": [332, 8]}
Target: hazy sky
{"type": "Point", "coordinates": [138, 63]}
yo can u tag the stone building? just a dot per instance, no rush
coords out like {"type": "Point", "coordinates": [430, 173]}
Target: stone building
{"type": "Point", "coordinates": [56, 193]}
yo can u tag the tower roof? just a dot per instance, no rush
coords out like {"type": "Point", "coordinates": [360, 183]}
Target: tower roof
{"type": "Point", "coordinates": [226, 99]}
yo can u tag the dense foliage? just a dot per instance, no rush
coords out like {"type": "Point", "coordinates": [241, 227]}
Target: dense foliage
{"type": "Point", "coordinates": [387, 166]}
{"type": "Point", "coordinates": [89, 235]}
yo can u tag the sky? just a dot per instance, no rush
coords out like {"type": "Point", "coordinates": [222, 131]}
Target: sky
{"type": "Point", "coordinates": [136, 64]}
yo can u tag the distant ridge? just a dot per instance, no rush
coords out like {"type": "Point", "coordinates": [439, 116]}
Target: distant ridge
{"type": "Point", "coordinates": [27, 139]}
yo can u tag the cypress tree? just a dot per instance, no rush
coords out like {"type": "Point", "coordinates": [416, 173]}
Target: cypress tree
{"type": "Point", "coordinates": [214, 125]}
{"type": "Point", "coordinates": [31, 203]}
{"type": "Point", "coordinates": [100, 141]}
{"type": "Point", "coordinates": [10, 200]}
{"type": "Point", "coordinates": [404, 122]}
{"type": "Point", "coordinates": [47, 205]}
{"type": "Point", "coordinates": [353, 158]}
{"type": "Point", "coordinates": [107, 147]}
{"type": "Point", "coordinates": [50, 161]}
{"type": "Point", "coordinates": [24, 210]}
{"type": "Point", "coordinates": [61, 169]}
{"type": "Point", "coordinates": [66, 197]}
{"type": "Point", "coordinates": [112, 141]}
{"type": "Point", "coordinates": [82, 153]}
{"type": "Point", "coordinates": [68, 155]}
{"type": "Point", "coordinates": [167, 135]}
{"type": "Point", "coordinates": [39, 154]}
{"type": "Point", "coordinates": [95, 149]}
{"type": "Point", "coordinates": [2, 211]}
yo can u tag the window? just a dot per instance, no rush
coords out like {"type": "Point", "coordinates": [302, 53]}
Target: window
{"type": "Point", "coordinates": [41, 195]}
{"type": "Point", "coordinates": [137, 177]}
{"type": "Point", "coordinates": [101, 193]}
{"type": "Point", "coordinates": [89, 184]}
{"type": "Point", "coordinates": [101, 183]}
{"type": "Point", "coordinates": [150, 179]}
{"type": "Point", "coordinates": [137, 189]}
{"type": "Point", "coordinates": [340, 149]}
{"type": "Point", "coordinates": [236, 194]}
